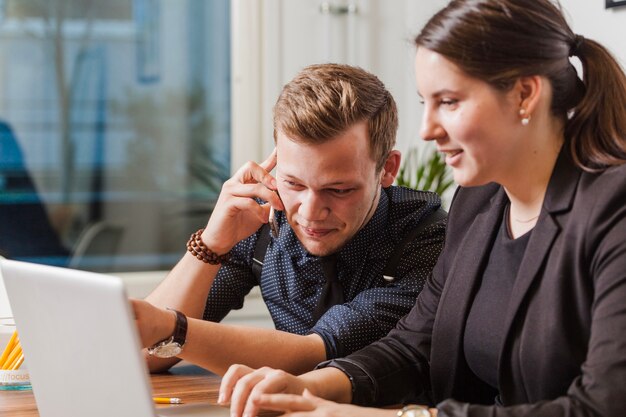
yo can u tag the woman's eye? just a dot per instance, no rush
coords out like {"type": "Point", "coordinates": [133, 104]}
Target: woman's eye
{"type": "Point", "coordinates": [448, 102]}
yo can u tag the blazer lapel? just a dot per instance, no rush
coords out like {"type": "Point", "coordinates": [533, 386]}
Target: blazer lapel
{"type": "Point", "coordinates": [463, 277]}
{"type": "Point", "coordinates": [559, 198]}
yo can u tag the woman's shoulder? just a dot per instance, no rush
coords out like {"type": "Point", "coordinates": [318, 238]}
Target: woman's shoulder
{"type": "Point", "coordinates": [468, 202]}
{"type": "Point", "coordinates": [473, 199]}
{"type": "Point", "coordinates": [599, 208]}
{"type": "Point", "coordinates": [607, 184]}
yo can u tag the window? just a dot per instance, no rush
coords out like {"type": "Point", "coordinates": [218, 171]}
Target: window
{"type": "Point", "coordinates": [114, 128]}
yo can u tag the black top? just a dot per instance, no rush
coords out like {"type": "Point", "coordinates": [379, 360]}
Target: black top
{"type": "Point", "coordinates": [485, 327]}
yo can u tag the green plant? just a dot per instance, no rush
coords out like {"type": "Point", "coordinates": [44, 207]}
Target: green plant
{"type": "Point", "coordinates": [426, 171]}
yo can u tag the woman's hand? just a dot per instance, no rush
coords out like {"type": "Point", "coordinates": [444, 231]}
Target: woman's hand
{"type": "Point", "coordinates": [243, 386]}
{"type": "Point", "coordinates": [308, 404]}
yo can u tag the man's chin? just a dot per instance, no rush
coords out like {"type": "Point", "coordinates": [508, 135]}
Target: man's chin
{"type": "Point", "coordinates": [321, 248]}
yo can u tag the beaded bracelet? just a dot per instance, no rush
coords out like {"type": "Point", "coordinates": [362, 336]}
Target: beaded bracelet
{"type": "Point", "coordinates": [196, 246]}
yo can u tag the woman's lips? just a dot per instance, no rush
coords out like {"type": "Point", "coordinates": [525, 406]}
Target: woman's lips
{"type": "Point", "coordinates": [452, 156]}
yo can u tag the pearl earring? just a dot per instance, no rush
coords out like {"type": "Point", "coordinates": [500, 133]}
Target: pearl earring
{"type": "Point", "coordinates": [525, 117]}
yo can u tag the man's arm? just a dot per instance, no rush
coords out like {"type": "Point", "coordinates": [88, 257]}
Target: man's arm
{"type": "Point", "coordinates": [375, 311]}
{"type": "Point", "coordinates": [184, 289]}
{"type": "Point", "coordinates": [236, 216]}
{"type": "Point", "coordinates": [216, 346]}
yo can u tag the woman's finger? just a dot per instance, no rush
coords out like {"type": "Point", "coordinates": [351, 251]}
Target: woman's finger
{"type": "Point", "coordinates": [229, 380]}
{"type": "Point", "coordinates": [284, 402]}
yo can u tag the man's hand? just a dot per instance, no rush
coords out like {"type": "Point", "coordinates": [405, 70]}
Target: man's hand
{"type": "Point", "coordinates": [154, 324]}
{"type": "Point", "coordinates": [236, 215]}
{"type": "Point", "coordinates": [243, 387]}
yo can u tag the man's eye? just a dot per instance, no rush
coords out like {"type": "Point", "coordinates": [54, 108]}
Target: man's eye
{"type": "Point", "coordinates": [340, 191]}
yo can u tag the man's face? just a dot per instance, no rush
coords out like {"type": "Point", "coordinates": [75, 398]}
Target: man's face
{"type": "Point", "coordinates": [329, 190]}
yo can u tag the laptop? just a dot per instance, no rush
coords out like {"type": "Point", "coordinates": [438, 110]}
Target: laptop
{"type": "Point", "coordinates": [81, 345]}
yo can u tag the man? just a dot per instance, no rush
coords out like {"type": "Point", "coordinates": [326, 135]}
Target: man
{"type": "Point", "coordinates": [339, 222]}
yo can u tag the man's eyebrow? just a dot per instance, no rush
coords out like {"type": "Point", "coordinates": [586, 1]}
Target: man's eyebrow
{"type": "Point", "coordinates": [327, 185]}
{"type": "Point", "coordinates": [288, 176]}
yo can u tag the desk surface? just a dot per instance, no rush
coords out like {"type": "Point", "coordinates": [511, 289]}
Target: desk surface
{"type": "Point", "coordinates": [189, 383]}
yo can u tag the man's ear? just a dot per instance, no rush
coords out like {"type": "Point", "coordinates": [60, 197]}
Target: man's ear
{"type": "Point", "coordinates": [390, 169]}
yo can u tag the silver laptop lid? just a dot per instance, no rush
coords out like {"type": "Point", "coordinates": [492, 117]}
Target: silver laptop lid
{"type": "Point", "coordinates": [79, 340]}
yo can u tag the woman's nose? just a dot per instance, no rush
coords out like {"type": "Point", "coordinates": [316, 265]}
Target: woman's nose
{"type": "Point", "coordinates": [430, 129]}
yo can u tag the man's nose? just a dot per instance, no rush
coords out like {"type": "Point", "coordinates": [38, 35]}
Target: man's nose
{"type": "Point", "coordinates": [313, 207]}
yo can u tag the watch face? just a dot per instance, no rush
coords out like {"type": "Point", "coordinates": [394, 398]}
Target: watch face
{"type": "Point", "coordinates": [167, 350]}
{"type": "Point", "coordinates": [417, 413]}
{"type": "Point", "coordinates": [414, 411]}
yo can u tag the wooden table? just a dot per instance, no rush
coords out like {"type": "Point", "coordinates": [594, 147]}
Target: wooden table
{"type": "Point", "coordinates": [189, 383]}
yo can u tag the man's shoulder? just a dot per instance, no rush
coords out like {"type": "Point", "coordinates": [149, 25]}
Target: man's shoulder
{"type": "Point", "coordinates": [405, 199]}
{"type": "Point", "coordinates": [408, 208]}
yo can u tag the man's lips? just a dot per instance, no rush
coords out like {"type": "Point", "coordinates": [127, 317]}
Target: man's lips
{"type": "Point", "coordinates": [316, 232]}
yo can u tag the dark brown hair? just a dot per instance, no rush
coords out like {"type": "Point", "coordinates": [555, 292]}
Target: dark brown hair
{"type": "Point", "coordinates": [499, 41]}
{"type": "Point", "coordinates": [324, 100]}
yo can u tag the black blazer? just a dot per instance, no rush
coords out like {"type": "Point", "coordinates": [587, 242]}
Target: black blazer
{"type": "Point", "coordinates": [564, 352]}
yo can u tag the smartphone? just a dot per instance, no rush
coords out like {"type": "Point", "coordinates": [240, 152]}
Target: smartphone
{"type": "Point", "coordinates": [273, 223]}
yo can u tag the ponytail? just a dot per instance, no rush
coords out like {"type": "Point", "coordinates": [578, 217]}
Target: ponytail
{"type": "Point", "coordinates": [597, 129]}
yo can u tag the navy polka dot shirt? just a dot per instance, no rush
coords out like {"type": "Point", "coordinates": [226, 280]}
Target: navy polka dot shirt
{"type": "Point", "coordinates": [292, 279]}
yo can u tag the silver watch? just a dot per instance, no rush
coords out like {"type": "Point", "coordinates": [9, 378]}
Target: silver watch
{"type": "Point", "coordinates": [413, 410]}
{"type": "Point", "coordinates": [173, 345]}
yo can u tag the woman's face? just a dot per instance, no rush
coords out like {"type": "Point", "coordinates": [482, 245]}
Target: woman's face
{"type": "Point", "coordinates": [476, 127]}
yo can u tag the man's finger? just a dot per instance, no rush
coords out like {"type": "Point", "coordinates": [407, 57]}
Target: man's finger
{"type": "Point", "coordinates": [256, 191]}
{"type": "Point", "coordinates": [252, 173]}
{"type": "Point", "coordinates": [270, 162]}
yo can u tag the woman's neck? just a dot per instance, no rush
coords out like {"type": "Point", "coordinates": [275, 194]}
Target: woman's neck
{"type": "Point", "coordinates": [527, 187]}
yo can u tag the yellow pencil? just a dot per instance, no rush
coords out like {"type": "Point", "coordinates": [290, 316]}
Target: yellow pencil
{"type": "Point", "coordinates": [15, 353]}
{"type": "Point", "coordinates": [166, 400]}
{"type": "Point", "coordinates": [15, 366]}
{"type": "Point", "coordinates": [8, 349]}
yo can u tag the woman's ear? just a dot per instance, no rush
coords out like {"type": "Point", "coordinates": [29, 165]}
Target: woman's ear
{"type": "Point", "coordinates": [528, 91]}
{"type": "Point", "coordinates": [390, 169]}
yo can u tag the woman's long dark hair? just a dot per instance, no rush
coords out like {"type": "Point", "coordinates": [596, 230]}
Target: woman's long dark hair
{"type": "Point", "coordinates": [499, 41]}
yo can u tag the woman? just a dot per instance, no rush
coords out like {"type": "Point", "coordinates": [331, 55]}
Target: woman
{"type": "Point", "coordinates": [525, 313]}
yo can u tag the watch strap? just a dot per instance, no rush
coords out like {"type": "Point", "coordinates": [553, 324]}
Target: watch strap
{"type": "Point", "coordinates": [180, 328]}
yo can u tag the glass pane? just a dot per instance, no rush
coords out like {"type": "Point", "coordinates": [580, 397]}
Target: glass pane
{"type": "Point", "coordinates": [114, 128]}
